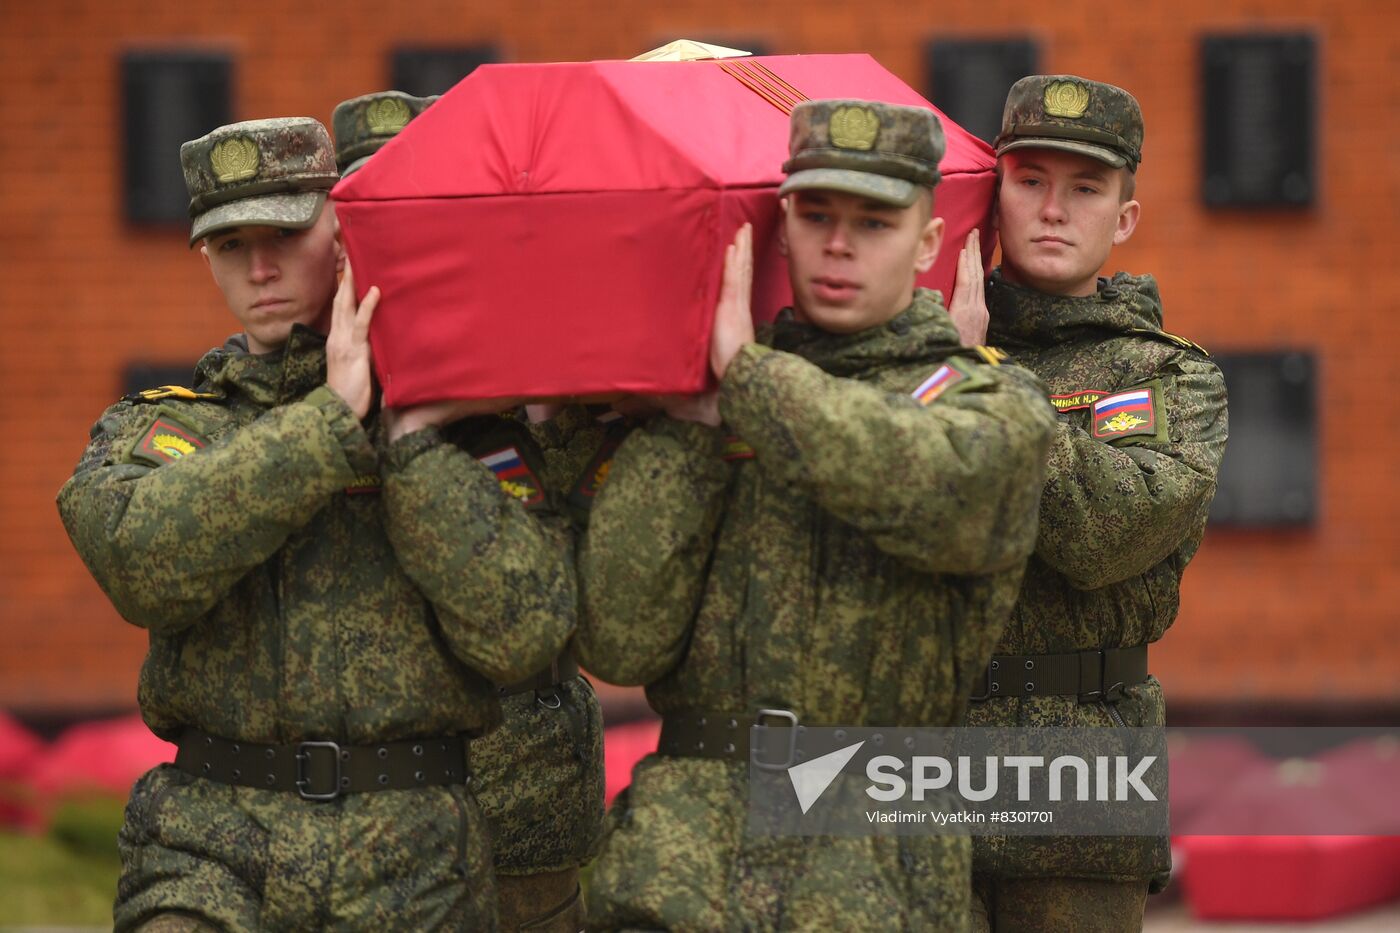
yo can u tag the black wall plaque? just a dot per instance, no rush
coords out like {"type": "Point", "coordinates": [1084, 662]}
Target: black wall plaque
{"type": "Point", "coordinates": [1269, 475]}
{"type": "Point", "coordinates": [969, 78]}
{"type": "Point", "coordinates": [168, 97]}
{"type": "Point", "coordinates": [1259, 105]}
{"type": "Point", "coordinates": [424, 71]}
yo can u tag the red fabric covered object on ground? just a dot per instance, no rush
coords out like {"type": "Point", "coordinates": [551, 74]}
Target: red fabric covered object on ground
{"type": "Point", "coordinates": [559, 229]}
{"type": "Point", "coordinates": [20, 751]}
{"type": "Point", "coordinates": [1288, 877]}
{"type": "Point", "coordinates": [623, 747]}
{"type": "Point", "coordinates": [1329, 868]}
{"type": "Point", "coordinates": [103, 757]}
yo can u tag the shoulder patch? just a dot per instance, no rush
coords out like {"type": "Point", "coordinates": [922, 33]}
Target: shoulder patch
{"type": "Point", "coordinates": [942, 379]}
{"type": "Point", "coordinates": [1130, 413]}
{"type": "Point", "coordinates": [516, 478]}
{"type": "Point", "coordinates": [1071, 401]}
{"type": "Point", "coordinates": [167, 438]}
{"type": "Point", "coordinates": [164, 392]}
{"type": "Point", "coordinates": [954, 376]}
{"type": "Point", "coordinates": [589, 482]}
{"type": "Point", "coordinates": [595, 474]}
{"type": "Point", "coordinates": [736, 448]}
{"type": "Point", "coordinates": [367, 485]}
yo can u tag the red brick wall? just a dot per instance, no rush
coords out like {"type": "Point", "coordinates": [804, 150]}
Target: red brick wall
{"type": "Point", "coordinates": [1308, 615]}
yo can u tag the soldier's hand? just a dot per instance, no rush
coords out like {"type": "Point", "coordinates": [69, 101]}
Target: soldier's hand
{"type": "Point", "coordinates": [969, 305]}
{"type": "Point", "coordinates": [347, 345]}
{"type": "Point", "coordinates": [702, 407]}
{"type": "Point", "coordinates": [733, 325]}
{"type": "Point", "coordinates": [401, 421]}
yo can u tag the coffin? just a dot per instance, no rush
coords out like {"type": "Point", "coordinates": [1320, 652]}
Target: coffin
{"type": "Point", "coordinates": [559, 229]}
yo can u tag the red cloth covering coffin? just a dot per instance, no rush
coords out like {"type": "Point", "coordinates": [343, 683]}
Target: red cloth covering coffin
{"type": "Point", "coordinates": [559, 229]}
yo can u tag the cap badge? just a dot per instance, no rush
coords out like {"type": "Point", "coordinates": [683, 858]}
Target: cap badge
{"type": "Point", "coordinates": [235, 159]}
{"type": "Point", "coordinates": [854, 128]}
{"type": "Point", "coordinates": [1066, 99]}
{"type": "Point", "coordinates": [386, 116]}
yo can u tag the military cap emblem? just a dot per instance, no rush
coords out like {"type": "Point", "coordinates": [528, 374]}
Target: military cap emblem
{"type": "Point", "coordinates": [235, 159]}
{"type": "Point", "coordinates": [387, 115]}
{"type": "Point", "coordinates": [854, 128]}
{"type": "Point", "coordinates": [1066, 99]}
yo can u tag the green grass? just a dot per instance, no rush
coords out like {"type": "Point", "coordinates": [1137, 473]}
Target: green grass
{"type": "Point", "coordinates": [66, 877]}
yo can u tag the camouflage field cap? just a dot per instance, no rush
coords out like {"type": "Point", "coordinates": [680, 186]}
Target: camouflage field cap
{"type": "Point", "coordinates": [363, 124]}
{"type": "Point", "coordinates": [881, 151]}
{"type": "Point", "coordinates": [1073, 114]}
{"type": "Point", "coordinates": [273, 172]}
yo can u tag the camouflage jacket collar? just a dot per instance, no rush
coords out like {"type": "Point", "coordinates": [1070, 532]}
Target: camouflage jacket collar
{"type": "Point", "coordinates": [1022, 317]}
{"type": "Point", "coordinates": [920, 333]}
{"type": "Point", "coordinates": [267, 379]}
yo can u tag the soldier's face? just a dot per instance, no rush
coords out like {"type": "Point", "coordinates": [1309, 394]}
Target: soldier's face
{"type": "Point", "coordinates": [853, 261]}
{"type": "Point", "coordinates": [273, 277]}
{"type": "Point", "coordinates": [1059, 214]}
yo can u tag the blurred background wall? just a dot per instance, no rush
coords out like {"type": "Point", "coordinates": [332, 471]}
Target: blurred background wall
{"type": "Point", "coordinates": [1269, 185]}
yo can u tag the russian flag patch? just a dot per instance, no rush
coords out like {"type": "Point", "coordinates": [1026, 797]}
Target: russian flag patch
{"type": "Point", "coordinates": [943, 377]}
{"type": "Point", "coordinates": [1124, 414]}
{"type": "Point", "coordinates": [514, 475]}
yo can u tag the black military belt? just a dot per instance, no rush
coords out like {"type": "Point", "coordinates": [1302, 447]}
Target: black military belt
{"type": "Point", "coordinates": [1089, 675]}
{"type": "Point", "coordinates": [726, 736]}
{"type": "Point", "coordinates": [324, 770]}
{"type": "Point", "coordinates": [564, 669]}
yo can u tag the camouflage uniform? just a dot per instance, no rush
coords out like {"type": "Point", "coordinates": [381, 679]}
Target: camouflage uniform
{"type": "Point", "coordinates": [539, 777]}
{"type": "Point", "coordinates": [849, 555]}
{"type": "Point", "coordinates": [303, 579]}
{"type": "Point", "coordinates": [1122, 513]}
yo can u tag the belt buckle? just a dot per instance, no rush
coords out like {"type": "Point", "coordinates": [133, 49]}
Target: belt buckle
{"type": "Point", "coordinates": [791, 758]}
{"type": "Point", "coordinates": [303, 755]}
{"type": "Point", "coordinates": [1100, 694]}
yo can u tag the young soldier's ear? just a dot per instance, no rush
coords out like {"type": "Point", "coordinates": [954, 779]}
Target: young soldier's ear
{"type": "Point", "coordinates": [204, 252]}
{"type": "Point", "coordinates": [784, 205]}
{"type": "Point", "coordinates": [930, 239]}
{"type": "Point", "coordinates": [1128, 214]}
{"type": "Point", "coordinates": [339, 245]}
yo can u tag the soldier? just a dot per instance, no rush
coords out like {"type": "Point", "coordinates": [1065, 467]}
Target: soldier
{"type": "Point", "coordinates": [1131, 474]}
{"type": "Point", "coordinates": [539, 776]}
{"type": "Point", "coordinates": [331, 591]}
{"type": "Point", "coordinates": [843, 549]}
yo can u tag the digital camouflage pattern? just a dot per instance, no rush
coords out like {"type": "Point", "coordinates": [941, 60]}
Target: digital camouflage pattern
{"type": "Point", "coordinates": [302, 579]}
{"type": "Point", "coordinates": [878, 150]}
{"type": "Point", "coordinates": [1074, 114]}
{"type": "Point", "coordinates": [539, 776]}
{"type": "Point", "coordinates": [579, 444]}
{"type": "Point", "coordinates": [856, 569]}
{"type": "Point", "coordinates": [676, 857]}
{"type": "Point", "coordinates": [1120, 519]}
{"type": "Point", "coordinates": [244, 859]}
{"type": "Point", "coordinates": [364, 124]}
{"type": "Point", "coordinates": [274, 172]}
{"type": "Point", "coordinates": [539, 779]}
